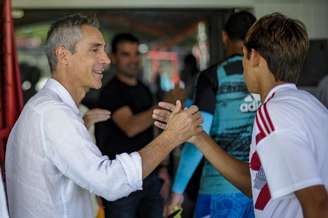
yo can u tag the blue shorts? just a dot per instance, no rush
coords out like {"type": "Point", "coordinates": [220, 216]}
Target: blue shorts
{"type": "Point", "coordinates": [232, 205]}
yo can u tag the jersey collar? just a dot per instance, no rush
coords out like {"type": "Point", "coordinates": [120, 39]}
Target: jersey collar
{"type": "Point", "coordinates": [279, 88]}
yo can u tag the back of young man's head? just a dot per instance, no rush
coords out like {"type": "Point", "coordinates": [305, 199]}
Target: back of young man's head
{"type": "Point", "coordinates": [283, 42]}
{"type": "Point", "coordinates": [122, 38]}
{"type": "Point", "coordinates": [238, 24]}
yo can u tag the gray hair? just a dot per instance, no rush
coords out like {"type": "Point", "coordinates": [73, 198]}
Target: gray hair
{"type": "Point", "coordinates": [66, 32]}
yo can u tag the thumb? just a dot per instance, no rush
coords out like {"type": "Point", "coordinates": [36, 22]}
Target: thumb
{"type": "Point", "coordinates": [178, 107]}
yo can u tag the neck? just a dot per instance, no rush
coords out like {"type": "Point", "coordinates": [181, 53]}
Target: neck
{"type": "Point", "coordinates": [234, 48]}
{"type": "Point", "coordinates": [77, 93]}
{"type": "Point", "coordinates": [267, 85]}
{"type": "Point", "coordinates": [131, 81]}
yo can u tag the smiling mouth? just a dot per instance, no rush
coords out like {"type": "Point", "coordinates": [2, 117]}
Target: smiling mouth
{"type": "Point", "coordinates": [99, 72]}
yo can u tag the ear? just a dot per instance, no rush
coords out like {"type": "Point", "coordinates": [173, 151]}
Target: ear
{"type": "Point", "coordinates": [225, 37]}
{"type": "Point", "coordinates": [254, 58]}
{"type": "Point", "coordinates": [62, 55]}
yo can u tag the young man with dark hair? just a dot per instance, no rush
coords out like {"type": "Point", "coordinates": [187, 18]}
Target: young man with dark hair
{"type": "Point", "coordinates": [228, 110]}
{"type": "Point", "coordinates": [287, 174]}
{"type": "Point", "coordinates": [52, 165]}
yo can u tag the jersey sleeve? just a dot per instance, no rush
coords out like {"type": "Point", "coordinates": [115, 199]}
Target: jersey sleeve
{"type": "Point", "coordinates": [190, 159]}
{"type": "Point", "coordinates": [289, 162]}
{"type": "Point", "coordinates": [205, 100]}
{"type": "Point", "coordinates": [206, 88]}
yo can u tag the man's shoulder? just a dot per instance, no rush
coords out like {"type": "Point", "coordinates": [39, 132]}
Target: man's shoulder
{"type": "Point", "coordinates": [285, 110]}
{"type": "Point", "coordinates": [208, 76]}
{"type": "Point", "coordinates": [112, 87]}
{"type": "Point", "coordinates": [210, 71]}
{"type": "Point", "coordinates": [144, 85]}
{"type": "Point", "coordinates": [112, 83]}
{"type": "Point", "coordinates": [232, 65]}
{"type": "Point", "coordinates": [45, 102]}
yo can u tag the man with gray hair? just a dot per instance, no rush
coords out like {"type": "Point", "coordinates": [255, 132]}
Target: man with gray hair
{"type": "Point", "coordinates": [51, 162]}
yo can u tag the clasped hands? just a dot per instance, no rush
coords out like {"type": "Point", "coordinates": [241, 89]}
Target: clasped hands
{"type": "Point", "coordinates": [182, 123]}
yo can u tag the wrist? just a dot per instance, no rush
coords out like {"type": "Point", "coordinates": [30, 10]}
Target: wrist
{"type": "Point", "coordinates": [171, 138]}
{"type": "Point", "coordinates": [196, 139]}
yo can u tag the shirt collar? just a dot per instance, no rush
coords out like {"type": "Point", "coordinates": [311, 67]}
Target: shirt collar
{"type": "Point", "coordinates": [62, 93]}
{"type": "Point", "coordinates": [279, 88]}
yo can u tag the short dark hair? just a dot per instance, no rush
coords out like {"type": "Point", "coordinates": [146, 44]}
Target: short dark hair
{"type": "Point", "coordinates": [238, 24]}
{"type": "Point", "coordinates": [283, 42]}
{"type": "Point", "coordinates": [66, 32]}
{"type": "Point", "coordinates": [123, 37]}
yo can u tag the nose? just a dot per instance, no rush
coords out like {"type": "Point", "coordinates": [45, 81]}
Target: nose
{"type": "Point", "coordinates": [135, 58]}
{"type": "Point", "coordinates": [104, 59]}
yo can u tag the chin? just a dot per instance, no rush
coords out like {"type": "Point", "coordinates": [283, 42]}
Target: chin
{"type": "Point", "coordinates": [97, 85]}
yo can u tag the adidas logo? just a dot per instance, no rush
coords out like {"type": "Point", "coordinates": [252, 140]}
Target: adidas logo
{"type": "Point", "coordinates": [251, 103]}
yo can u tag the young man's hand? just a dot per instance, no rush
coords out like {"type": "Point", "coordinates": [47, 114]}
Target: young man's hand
{"type": "Point", "coordinates": [176, 200]}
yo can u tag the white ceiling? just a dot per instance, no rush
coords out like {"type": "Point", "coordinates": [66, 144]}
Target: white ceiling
{"type": "Point", "coordinates": [132, 3]}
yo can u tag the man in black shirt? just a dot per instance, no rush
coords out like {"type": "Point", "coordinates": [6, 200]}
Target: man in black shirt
{"type": "Point", "coordinates": [131, 127]}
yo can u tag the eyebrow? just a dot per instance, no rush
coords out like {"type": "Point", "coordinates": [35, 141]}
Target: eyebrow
{"type": "Point", "coordinates": [98, 45]}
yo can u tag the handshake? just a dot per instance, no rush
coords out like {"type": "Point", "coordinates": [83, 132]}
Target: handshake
{"type": "Point", "coordinates": [180, 124]}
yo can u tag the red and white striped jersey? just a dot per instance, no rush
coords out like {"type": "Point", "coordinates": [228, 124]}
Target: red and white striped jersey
{"type": "Point", "coordinates": [288, 150]}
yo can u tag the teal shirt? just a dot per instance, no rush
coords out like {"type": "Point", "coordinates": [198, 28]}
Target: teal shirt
{"type": "Point", "coordinates": [231, 127]}
{"type": "Point", "coordinates": [232, 124]}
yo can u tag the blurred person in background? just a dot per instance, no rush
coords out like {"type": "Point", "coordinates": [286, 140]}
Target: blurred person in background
{"type": "Point", "coordinates": [228, 110]}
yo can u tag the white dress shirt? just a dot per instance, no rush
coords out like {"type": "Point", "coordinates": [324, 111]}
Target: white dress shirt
{"type": "Point", "coordinates": [52, 164]}
{"type": "Point", "coordinates": [3, 204]}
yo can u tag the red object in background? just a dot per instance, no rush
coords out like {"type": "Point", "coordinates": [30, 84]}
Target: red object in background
{"type": "Point", "coordinates": [157, 56]}
{"type": "Point", "coordinates": [11, 97]}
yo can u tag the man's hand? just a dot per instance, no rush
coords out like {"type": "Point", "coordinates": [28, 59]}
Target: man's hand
{"type": "Point", "coordinates": [181, 124]}
{"type": "Point", "coordinates": [94, 116]}
{"type": "Point", "coordinates": [176, 200]}
{"type": "Point", "coordinates": [162, 114]}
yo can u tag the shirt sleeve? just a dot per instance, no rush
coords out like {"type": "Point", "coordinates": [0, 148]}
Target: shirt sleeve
{"type": "Point", "coordinates": [205, 95]}
{"type": "Point", "coordinates": [68, 145]}
{"type": "Point", "coordinates": [3, 204]}
{"type": "Point", "coordinates": [323, 91]}
{"type": "Point", "coordinates": [289, 162]}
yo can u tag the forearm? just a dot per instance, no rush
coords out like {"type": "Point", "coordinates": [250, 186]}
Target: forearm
{"type": "Point", "coordinates": [189, 160]}
{"type": "Point", "coordinates": [321, 210]}
{"type": "Point", "coordinates": [139, 122]}
{"type": "Point", "coordinates": [234, 170]}
{"type": "Point", "coordinates": [314, 201]}
{"type": "Point", "coordinates": [156, 151]}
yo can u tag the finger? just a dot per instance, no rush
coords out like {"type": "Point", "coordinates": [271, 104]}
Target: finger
{"type": "Point", "coordinates": [166, 105]}
{"type": "Point", "coordinates": [193, 109]}
{"type": "Point", "coordinates": [162, 113]}
{"type": "Point", "coordinates": [196, 116]}
{"type": "Point", "coordinates": [159, 118]}
{"type": "Point", "coordinates": [98, 111]}
{"type": "Point", "coordinates": [178, 107]}
{"type": "Point", "coordinates": [199, 122]}
{"type": "Point", "coordinates": [160, 125]}
{"type": "Point", "coordinates": [101, 118]}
